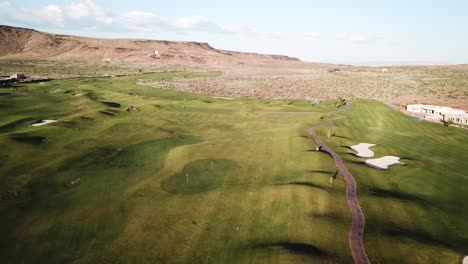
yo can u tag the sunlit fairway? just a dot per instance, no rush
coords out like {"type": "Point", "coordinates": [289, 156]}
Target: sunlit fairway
{"type": "Point", "coordinates": [134, 174]}
{"type": "Point", "coordinates": [414, 213]}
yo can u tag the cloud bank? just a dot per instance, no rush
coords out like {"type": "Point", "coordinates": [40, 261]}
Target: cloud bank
{"type": "Point", "coordinates": [86, 15]}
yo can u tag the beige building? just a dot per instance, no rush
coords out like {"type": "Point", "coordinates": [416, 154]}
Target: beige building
{"type": "Point", "coordinates": [439, 113]}
{"type": "Point", "coordinates": [457, 119]}
{"type": "Point", "coordinates": [434, 110]}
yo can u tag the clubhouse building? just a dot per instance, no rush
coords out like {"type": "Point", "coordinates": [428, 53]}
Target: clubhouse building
{"type": "Point", "coordinates": [439, 113]}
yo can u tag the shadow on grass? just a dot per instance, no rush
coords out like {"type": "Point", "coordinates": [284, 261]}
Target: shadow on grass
{"type": "Point", "coordinates": [320, 171]}
{"type": "Point", "coordinates": [306, 184]}
{"type": "Point", "coordinates": [339, 136]}
{"type": "Point", "coordinates": [406, 158]}
{"type": "Point", "coordinates": [319, 151]}
{"type": "Point", "coordinates": [109, 112]}
{"type": "Point", "coordinates": [34, 140]}
{"type": "Point", "coordinates": [112, 104]}
{"type": "Point", "coordinates": [13, 125]}
{"type": "Point", "coordinates": [382, 193]}
{"type": "Point", "coordinates": [426, 238]}
{"type": "Point", "coordinates": [298, 248]}
{"type": "Point", "coordinates": [357, 162]}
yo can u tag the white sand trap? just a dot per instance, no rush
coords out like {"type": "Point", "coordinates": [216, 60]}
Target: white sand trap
{"type": "Point", "coordinates": [44, 122]}
{"type": "Point", "coordinates": [363, 150]}
{"type": "Point", "coordinates": [384, 162]}
{"type": "Point", "coordinates": [78, 94]}
{"type": "Point", "coordinates": [465, 260]}
{"type": "Point", "coordinates": [227, 98]}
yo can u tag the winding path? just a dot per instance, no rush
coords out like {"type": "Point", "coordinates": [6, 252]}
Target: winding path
{"type": "Point", "coordinates": [358, 221]}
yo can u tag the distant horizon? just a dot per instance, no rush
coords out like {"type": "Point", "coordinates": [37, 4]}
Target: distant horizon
{"type": "Point", "coordinates": [361, 33]}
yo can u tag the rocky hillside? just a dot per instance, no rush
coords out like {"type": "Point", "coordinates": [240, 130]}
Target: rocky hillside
{"type": "Point", "coordinates": [25, 44]}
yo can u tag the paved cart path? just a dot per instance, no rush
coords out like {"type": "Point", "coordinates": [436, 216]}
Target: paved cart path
{"type": "Point", "coordinates": [358, 221]}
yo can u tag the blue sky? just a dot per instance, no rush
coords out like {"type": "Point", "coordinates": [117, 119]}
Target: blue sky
{"type": "Point", "coordinates": [338, 31]}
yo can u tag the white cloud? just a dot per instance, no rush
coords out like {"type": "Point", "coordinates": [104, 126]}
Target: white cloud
{"type": "Point", "coordinates": [361, 38]}
{"type": "Point", "coordinates": [87, 9]}
{"type": "Point", "coordinates": [199, 23]}
{"type": "Point", "coordinates": [86, 15]}
{"type": "Point", "coordinates": [78, 10]}
{"type": "Point", "coordinates": [53, 14]}
{"type": "Point", "coordinates": [139, 20]}
{"type": "Point", "coordinates": [5, 5]}
{"type": "Point", "coordinates": [48, 15]}
{"type": "Point", "coordinates": [190, 22]}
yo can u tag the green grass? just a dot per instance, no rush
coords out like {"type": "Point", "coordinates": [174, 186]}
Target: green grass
{"type": "Point", "coordinates": [199, 176]}
{"type": "Point", "coordinates": [415, 213]}
{"type": "Point", "coordinates": [107, 185]}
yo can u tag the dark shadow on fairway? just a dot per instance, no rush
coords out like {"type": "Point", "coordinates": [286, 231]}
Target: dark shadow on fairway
{"type": "Point", "coordinates": [410, 159]}
{"type": "Point", "coordinates": [357, 162]}
{"type": "Point", "coordinates": [320, 171]}
{"type": "Point", "coordinates": [350, 154]}
{"type": "Point", "coordinates": [319, 151]}
{"type": "Point", "coordinates": [298, 248]}
{"type": "Point", "coordinates": [306, 184]}
{"type": "Point", "coordinates": [339, 136]}
{"type": "Point", "coordinates": [15, 124]}
{"type": "Point", "coordinates": [110, 112]}
{"type": "Point", "coordinates": [107, 113]}
{"type": "Point", "coordinates": [323, 151]}
{"type": "Point", "coordinates": [34, 140]}
{"type": "Point", "coordinates": [426, 238]}
{"type": "Point", "coordinates": [377, 192]}
{"type": "Point", "coordinates": [112, 104]}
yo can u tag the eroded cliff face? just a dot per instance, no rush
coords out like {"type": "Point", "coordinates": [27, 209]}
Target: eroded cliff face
{"type": "Point", "coordinates": [21, 43]}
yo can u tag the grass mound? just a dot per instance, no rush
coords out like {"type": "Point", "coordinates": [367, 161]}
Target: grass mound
{"type": "Point", "coordinates": [147, 153]}
{"type": "Point", "coordinates": [199, 176]}
{"type": "Point", "coordinates": [86, 143]}
{"type": "Point", "coordinates": [128, 127]}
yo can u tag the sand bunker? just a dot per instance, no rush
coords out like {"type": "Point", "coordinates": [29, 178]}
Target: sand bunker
{"type": "Point", "coordinates": [363, 150]}
{"type": "Point", "coordinates": [221, 97]}
{"type": "Point", "coordinates": [465, 260]}
{"type": "Point", "coordinates": [384, 162]}
{"type": "Point", "coordinates": [43, 122]}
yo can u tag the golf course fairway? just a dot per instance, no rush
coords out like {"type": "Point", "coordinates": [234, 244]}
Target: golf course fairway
{"type": "Point", "coordinates": [135, 174]}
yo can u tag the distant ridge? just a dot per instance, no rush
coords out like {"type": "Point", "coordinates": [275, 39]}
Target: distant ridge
{"type": "Point", "coordinates": [23, 43]}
